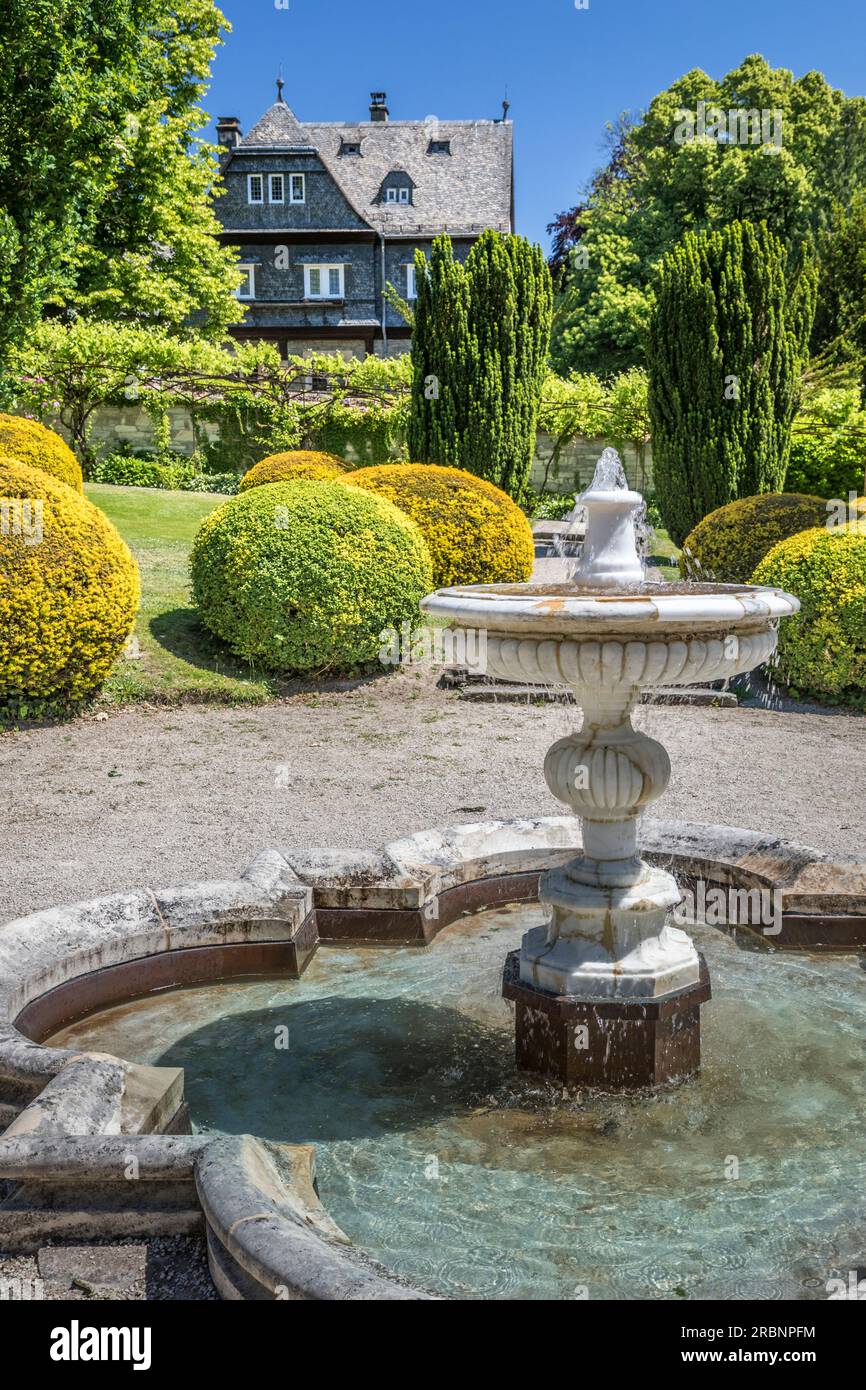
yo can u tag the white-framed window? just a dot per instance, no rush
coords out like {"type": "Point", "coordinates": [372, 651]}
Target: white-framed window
{"type": "Point", "coordinates": [390, 195]}
{"type": "Point", "coordinates": [411, 286]}
{"type": "Point", "coordinates": [297, 188]}
{"type": "Point", "coordinates": [255, 188]}
{"type": "Point", "coordinates": [404, 195]}
{"type": "Point", "coordinates": [276, 188]}
{"type": "Point", "coordinates": [397, 195]}
{"type": "Point", "coordinates": [247, 288]}
{"type": "Point", "coordinates": [324, 282]}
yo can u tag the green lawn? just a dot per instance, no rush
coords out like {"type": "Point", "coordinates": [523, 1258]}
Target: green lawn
{"type": "Point", "coordinates": [173, 658]}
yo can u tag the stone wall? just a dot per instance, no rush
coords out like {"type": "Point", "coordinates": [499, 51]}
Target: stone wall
{"type": "Point", "coordinates": [574, 468]}
{"type": "Point", "coordinates": [571, 472]}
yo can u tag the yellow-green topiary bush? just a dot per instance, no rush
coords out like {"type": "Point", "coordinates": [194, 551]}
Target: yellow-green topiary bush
{"type": "Point", "coordinates": [69, 593]}
{"type": "Point", "coordinates": [822, 649]}
{"type": "Point", "coordinates": [291, 467]}
{"type": "Point", "coordinates": [475, 533]}
{"type": "Point", "coordinates": [727, 545]}
{"type": "Point", "coordinates": [38, 447]}
{"type": "Point", "coordinates": [305, 577]}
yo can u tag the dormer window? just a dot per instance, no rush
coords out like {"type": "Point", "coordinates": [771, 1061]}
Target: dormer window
{"type": "Point", "coordinates": [397, 188]}
{"type": "Point", "coordinates": [350, 147]}
{"type": "Point", "coordinates": [439, 147]}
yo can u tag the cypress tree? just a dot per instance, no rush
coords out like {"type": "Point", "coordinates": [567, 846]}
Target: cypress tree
{"type": "Point", "coordinates": [482, 332]}
{"type": "Point", "coordinates": [727, 340]}
{"type": "Point", "coordinates": [440, 351]}
{"type": "Point", "coordinates": [511, 297]}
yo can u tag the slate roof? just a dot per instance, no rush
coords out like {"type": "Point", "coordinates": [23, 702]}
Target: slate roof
{"type": "Point", "coordinates": [468, 190]}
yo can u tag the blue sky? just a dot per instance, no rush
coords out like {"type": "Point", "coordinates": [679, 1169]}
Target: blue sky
{"type": "Point", "coordinates": [567, 71]}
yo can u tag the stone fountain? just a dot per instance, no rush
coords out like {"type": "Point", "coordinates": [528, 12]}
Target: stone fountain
{"type": "Point", "coordinates": [608, 992]}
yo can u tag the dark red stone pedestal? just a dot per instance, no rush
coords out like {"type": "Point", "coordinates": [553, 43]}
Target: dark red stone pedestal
{"type": "Point", "coordinates": [609, 1044]}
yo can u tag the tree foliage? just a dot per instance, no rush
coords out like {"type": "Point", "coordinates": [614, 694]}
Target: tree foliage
{"type": "Point", "coordinates": [788, 152]}
{"type": "Point", "coordinates": [728, 336]}
{"type": "Point", "coordinates": [104, 190]}
{"type": "Point", "coordinates": [479, 354]}
{"type": "Point", "coordinates": [441, 353]}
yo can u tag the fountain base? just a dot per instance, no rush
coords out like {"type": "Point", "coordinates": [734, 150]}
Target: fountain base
{"type": "Point", "coordinates": [608, 1044]}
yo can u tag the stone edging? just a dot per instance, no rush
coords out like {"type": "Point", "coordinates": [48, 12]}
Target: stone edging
{"type": "Point", "coordinates": [96, 1146]}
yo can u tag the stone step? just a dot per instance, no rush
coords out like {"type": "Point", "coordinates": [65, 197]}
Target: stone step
{"type": "Point", "coordinates": [495, 692]}
{"type": "Point", "coordinates": [95, 1268]}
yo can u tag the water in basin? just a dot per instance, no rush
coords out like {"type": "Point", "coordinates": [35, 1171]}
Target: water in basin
{"type": "Point", "coordinates": [443, 1163]}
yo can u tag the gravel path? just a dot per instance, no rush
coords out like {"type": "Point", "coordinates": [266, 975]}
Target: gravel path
{"type": "Point", "coordinates": [157, 796]}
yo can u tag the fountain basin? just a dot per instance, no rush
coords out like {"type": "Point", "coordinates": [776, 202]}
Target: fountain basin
{"type": "Point", "coordinates": [443, 1165]}
{"type": "Point", "coordinates": [75, 1122]}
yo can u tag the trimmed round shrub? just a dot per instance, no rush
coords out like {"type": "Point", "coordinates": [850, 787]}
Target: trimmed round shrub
{"type": "Point", "coordinates": [727, 545]}
{"type": "Point", "coordinates": [69, 592]}
{"type": "Point", "coordinates": [303, 578]}
{"type": "Point", "coordinates": [475, 533]}
{"type": "Point", "coordinates": [822, 649]}
{"type": "Point", "coordinates": [39, 447]}
{"type": "Point", "coordinates": [293, 466]}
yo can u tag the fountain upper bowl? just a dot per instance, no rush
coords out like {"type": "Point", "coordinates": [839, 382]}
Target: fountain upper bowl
{"type": "Point", "coordinates": [649, 609]}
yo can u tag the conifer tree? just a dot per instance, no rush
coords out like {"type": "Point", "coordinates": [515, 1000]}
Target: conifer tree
{"type": "Point", "coordinates": [727, 341]}
{"type": "Point", "coordinates": [510, 314]}
{"type": "Point", "coordinates": [481, 339]}
{"type": "Point", "coordinates": [440, 351]}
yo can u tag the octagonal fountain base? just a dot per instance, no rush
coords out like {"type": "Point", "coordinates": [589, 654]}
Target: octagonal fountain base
{"type": "Point", "coordinates": [613, 1044]}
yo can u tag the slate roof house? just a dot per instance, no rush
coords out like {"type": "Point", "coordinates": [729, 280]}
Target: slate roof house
{"type": "Point", "coordinates": [323, 215]}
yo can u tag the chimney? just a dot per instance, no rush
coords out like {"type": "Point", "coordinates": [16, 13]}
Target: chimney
{"type": "Point", "coordinates": [229, 132]}
{"type": "Point", "coordinates": [379, 107]}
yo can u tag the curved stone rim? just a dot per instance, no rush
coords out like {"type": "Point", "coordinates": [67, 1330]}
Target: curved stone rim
{"type": "Point", "coordinates": [521, 609]}
{"type": "Point", "coordinates": [77, 1120]}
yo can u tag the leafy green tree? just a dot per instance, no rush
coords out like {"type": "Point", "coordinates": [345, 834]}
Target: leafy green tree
{"type": "Point", "coordinates": [67, 82]}
{"type": "Point", "coordinates": [840, 324]}
{"type": "Point", "coordinates": [154, 256]}
{"type": "Point", "coordinates": [757, 145]}
{"type": "Point", "coordinates": [727, 340]}
{"type": "Point", "coordinates": [103, 191]}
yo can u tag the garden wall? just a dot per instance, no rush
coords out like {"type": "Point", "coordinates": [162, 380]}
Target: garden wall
{"type": "Point", "coordinates": [573, 470]}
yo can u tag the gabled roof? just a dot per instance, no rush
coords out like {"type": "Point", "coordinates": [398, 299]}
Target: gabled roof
{"type": "Point", "coordinates": [468, 190]}
{"type": "Point", "coordinates": [278, 126]}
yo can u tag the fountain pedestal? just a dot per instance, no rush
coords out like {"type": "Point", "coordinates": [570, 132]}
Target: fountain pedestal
{"type": "Point", "coordinates": [607, 992]}
{"type": "Point", "coordinates": [607, 1044]}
